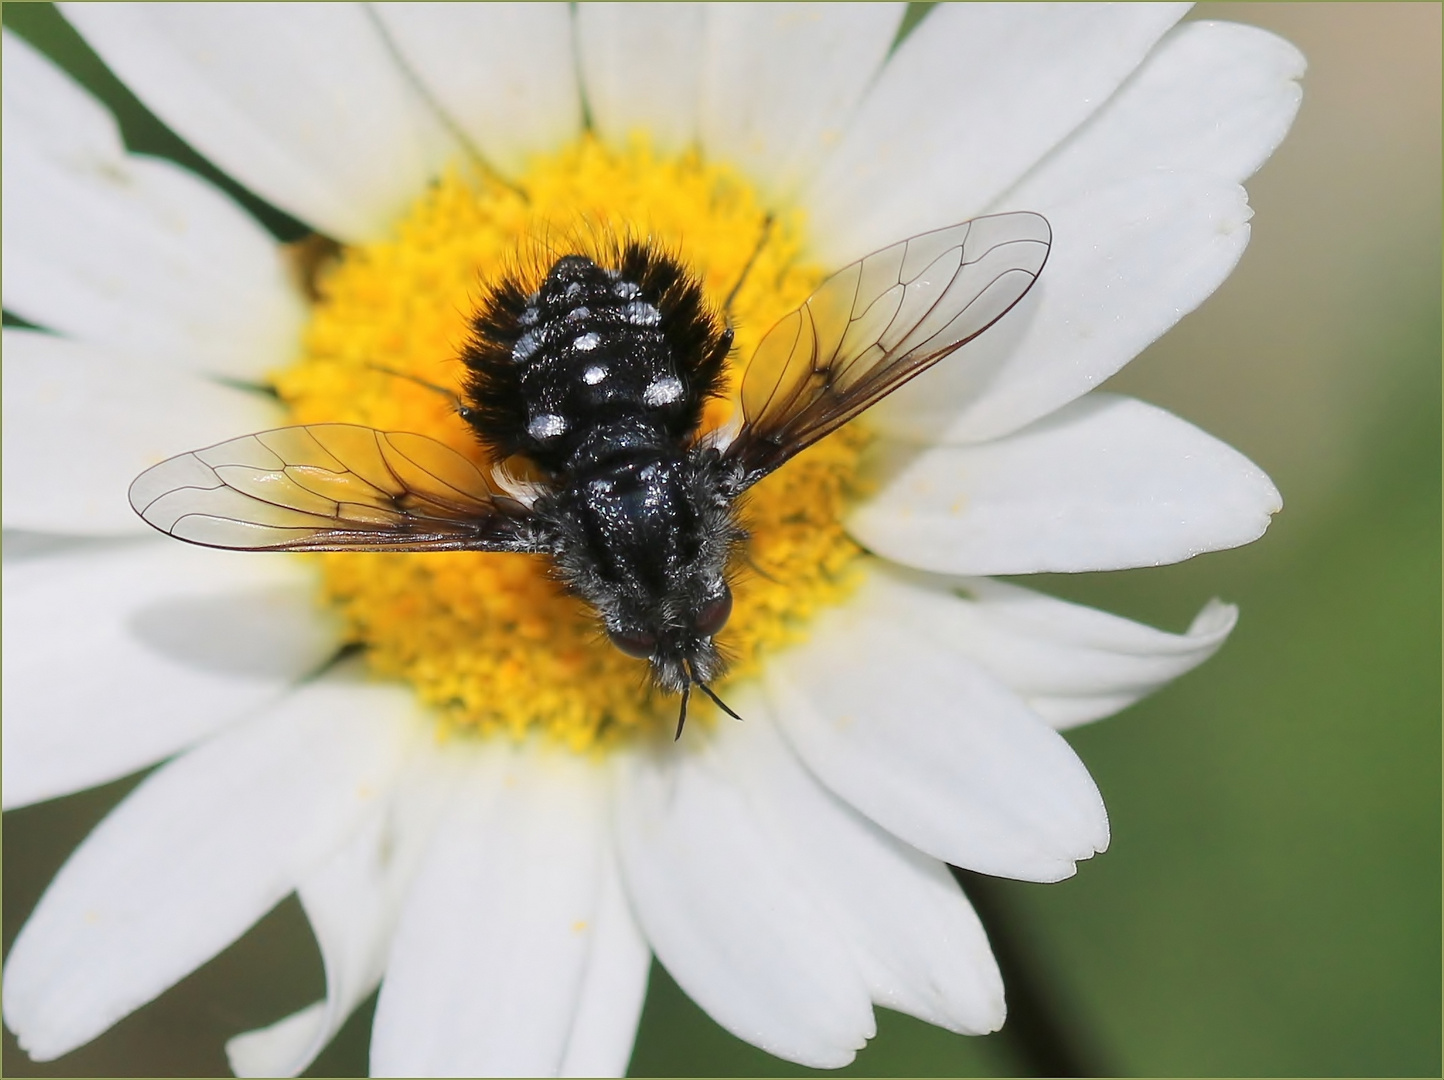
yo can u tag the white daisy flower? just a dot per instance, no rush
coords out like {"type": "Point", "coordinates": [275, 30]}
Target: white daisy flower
{"type": "Point", "coordinates": [484, 813]}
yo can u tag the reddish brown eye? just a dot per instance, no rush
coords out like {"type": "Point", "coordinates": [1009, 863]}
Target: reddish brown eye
{"type": "Point", "coordinates": [714, 614]}
{"type": "Point", "coordinates": [640, 644]}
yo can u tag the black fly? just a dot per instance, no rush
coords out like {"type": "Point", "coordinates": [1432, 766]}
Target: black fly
{"type": "Point", "coordinates": [598, 379]}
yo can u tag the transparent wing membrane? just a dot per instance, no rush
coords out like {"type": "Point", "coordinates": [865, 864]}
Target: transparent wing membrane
{"type": "Point", "coordinates": [876, 324]}
{"type": "Point", "coordinates": [330, 487]}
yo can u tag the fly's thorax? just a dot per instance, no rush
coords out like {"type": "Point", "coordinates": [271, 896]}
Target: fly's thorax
{"type": "Point", "coordinates": [591, 346]}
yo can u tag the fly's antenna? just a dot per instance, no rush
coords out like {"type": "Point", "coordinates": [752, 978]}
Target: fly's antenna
{"type": "Point", "coordinates": [450, 395]}
{"type": "Point", "coordinates": [747, 269]}
{"type": "Point", "coordinates": [687, 693]}
{"type": "Point", "coordinates": [718, 701]}
{"type": "Point", "coordinates": [682, 716]}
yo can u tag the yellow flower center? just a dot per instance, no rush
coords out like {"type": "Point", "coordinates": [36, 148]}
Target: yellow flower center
{"type": "Point", "coordinates": [489, 640]}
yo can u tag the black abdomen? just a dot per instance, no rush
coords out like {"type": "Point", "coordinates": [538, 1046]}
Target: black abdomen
{"type": "Point", "coordinates": [601, 360]}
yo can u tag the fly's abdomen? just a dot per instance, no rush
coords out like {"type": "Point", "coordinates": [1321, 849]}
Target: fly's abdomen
{"type": "Point", "coordinates": [629, 348]}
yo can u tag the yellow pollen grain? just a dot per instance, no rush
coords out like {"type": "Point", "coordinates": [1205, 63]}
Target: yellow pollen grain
{"type": "Point", "coordinates": [491, 641]}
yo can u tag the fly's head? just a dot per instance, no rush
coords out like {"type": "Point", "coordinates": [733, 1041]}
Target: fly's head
{"type": "Point", "coordinates": [677, 634]}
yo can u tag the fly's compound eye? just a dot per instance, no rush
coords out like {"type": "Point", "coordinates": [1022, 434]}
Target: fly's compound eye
{"type": "Point", "coordinates": [639, 644]}
{"type": "Point", "coordinates": [714, 614]}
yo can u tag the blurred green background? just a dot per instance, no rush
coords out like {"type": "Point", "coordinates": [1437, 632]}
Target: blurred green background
{"type": "Point", "coordinates": [1271, 901]}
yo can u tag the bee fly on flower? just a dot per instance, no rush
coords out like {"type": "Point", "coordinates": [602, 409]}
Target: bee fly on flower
{"type": "Point", "coordinates": [598, 379]}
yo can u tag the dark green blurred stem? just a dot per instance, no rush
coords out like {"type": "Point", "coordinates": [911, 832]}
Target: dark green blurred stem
{"type": "Point", "coordinates": [1038, 1032]}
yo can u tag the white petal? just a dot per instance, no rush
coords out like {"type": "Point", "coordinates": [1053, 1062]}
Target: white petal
{"type": "Point", "coordinates": [116, 656]}
{"type": "Point", "coordinates": [129, 252]}
{"type": "Point", "coordinates": [908, 926]}
{"type": "Point", "coordinates": [933, 748]}
{"type": "Point", "coordinates": [273, 1050]}
{"type": "Point", "coordinates": [81, 423]}
{"type": "Point", "coordinates": [1070, 663]}
{"type": "Point", "coordinates": [1103, 484]}
{"type": "Point", "coordinates": [304, 104]}
{"type": "Point", "coordinates": [640, 69]}
{"type": "Point", "coordinates": [614, 987]}
{"type": "Point", "coordinates": [781, 82]}
{"type": "Point", "coordinates": [491, 951]}
{"type": "Point", "coordinates": [725, 915]}
{"type": "Point", "coordinates": [1213, 98]}
{"type": "Point", "coordinates": [48, 114]}
{"type": "Point", "coordinates": [196, 854]}
{"type": "Point", "coordinates": [1128, 261]}
{"type": "Point", "coordinates": [352, 902]}
{"type": "Point", "coordinates": [964, 107]}
{"type": "Point", "coordinates": [504, 73]}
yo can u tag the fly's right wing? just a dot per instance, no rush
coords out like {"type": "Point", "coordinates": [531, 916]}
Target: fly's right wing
{"type": "Point", "coordinates": [331, 487]}
{"type": "Point", "coordinates": [876, 324]}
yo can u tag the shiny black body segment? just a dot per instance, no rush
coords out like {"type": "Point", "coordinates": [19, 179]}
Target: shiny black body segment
{"type": "Point", "coordinates": [599, 378]}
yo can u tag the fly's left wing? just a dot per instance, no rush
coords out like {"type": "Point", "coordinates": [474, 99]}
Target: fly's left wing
{"type": "Point", "coordinates": [331, 487]}
{"type": "Point", "coordinates": [876, 324]}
